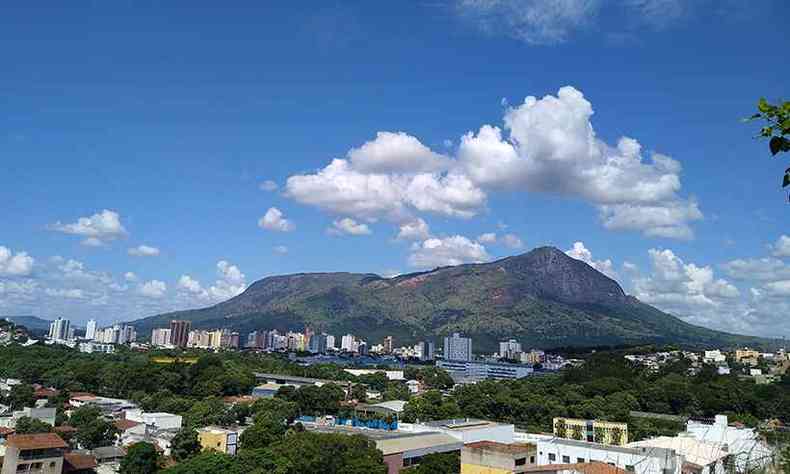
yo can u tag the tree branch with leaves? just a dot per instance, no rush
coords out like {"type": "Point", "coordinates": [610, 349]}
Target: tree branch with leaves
{"type": "Point", "coordinates": [776, 129]}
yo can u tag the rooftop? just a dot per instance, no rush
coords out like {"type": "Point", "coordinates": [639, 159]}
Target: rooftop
{"type": "Point", "coordinates": [78, 462]}
{"type": "Point", "coordinates": [501, 447]}
{"type": "Point", "coordinates": [124, 425]}
{"type": "Point", "coordinates": [390, 442]}
{"type": "Point", "coordinates": [585, 468]}
{"type": "Point", "coordinates": [696, 452]}
{"type": "Point", "coordinates": [36, 441]}
{"type": "Point", "coordinates": [463, 424]}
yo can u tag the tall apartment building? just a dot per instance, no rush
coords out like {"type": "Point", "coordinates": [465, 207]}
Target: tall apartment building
{"type": "Point", "coordinates": [426, 350]}
{"type": "Point", "coordinates": [330, 342]}
{"type": "Point", "coordinates": [388, 345]}
{"type": "Point", "coordinates": [510, 349]}
{"type": "Point", "coordinates": [179, 332]}
{"type": "Point", "coordinates": [90, 330]}
{"type": "Point", "coordinates": [347, 343]}
{"type": "Point", "coordinates": [160, 337]}
{"type": "Point", "coordinates": [59, 329]}
{"type": "Point", "coordinates": [457, 348]}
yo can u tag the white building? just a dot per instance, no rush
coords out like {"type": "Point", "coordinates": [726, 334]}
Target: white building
{"type": "Point", "coordinates": [457, 348]}
{"type": "Point", "coordinates": [509, 349]}
{"type": "Point", "coordinates": [744, 445]}
{"type": "Point", "coordinates": [639, 460]}
{"type": "Point", "coordinates": [90, 330]}
{"type": "Point", "coordinates": [59, 329]}
{"type": "Point", "coordinates": [473, 371]}
{"type": "Point", "coordinates": [714, 357]}
{"type": "Point", "coordinates": [91, 347]}
{"type": "Point", "coordinates": [330, 342]}
{"type": "Point", "coordinates": [699, 457]}
{"type": "Point", "coordinates": [155, 420]}
{"type": "Point", "coordinates": [467, 430]}
{"type": "Point", "coordinates": [390, 374]}
{"type": "Point", "coordinates": [347, 343]}
{"type": "Point", "coordinates": [160, 337]}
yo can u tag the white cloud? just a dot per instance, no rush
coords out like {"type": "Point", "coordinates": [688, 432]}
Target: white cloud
{"type": "Point", "coordinates": [487, 238]}
{"type": "Point", "coordinates": [97, 229]}
{"type": "Point", "coordinates": [15, 264]}
{"type": "Point", "coordinates": [280, 249]}
{"type": "Point", "coordinates": [684, 288]}
{"type": "Point", "coordinates": [782, 247]}
{"type": "Point", "coordinates": [761, 269]}
{"type": "Point", "coordinates": [231, 281]}
{"type": "Point", "coordinates": [348, 226]}
{"type": "Point", "coordinates": [275, 220]}
{"type": "Point", "coordinates": [548, 145]}
{"type": "Point", "coordinates": [532, 21]}
{"type": "Point", "coordinates": [153, 289]}
{"type": "Point", "coordinates": [130, 276]}
{"type": "Point", "coordinates": [268, 186]}
{"type": "Point", "coordinates": [778, 288]}
{"type": "Point", "coordinates": [395, 153]}
{"type": "Point", "coordinates": [580, 252]}
{"type": "Point", "coordinates": [143, 251]}
{"type": "Point", "coordinates": [73, 293]}
{"type": "Point", "coordinates": [512, 241]}
{"type": "Point", "coordinates": [454, 250]}
{"type": "Point", "coordinates": [416, 229]}
{"type": "Point", "coordinates": [658, 13]}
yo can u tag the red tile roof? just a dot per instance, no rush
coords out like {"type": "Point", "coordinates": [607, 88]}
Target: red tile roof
{"type": "Point", "coordinates": [124, 425]}
{"type": "Point", "coordinates": [5, 431]}
{"type": "Point", "coordinates": [36, 441]}
{"type": "Point", "coordinates": [78, 462]}
{"type": "Point", "coordinates": [594, 467]}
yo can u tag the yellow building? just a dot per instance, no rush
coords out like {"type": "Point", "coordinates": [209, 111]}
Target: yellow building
{"type": "Point", "coordinates": [488, 457]}
{"type": "Point", "coordinates": [747, 356]}
{"type": "Point", "coordinates": [218, 439]}
{"type": "Point", "coordinates": [594, 431]}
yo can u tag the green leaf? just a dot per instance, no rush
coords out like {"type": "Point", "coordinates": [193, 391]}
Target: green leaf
{"type": "Point", "coordinates": [763, 105]}
{"type": "Point", "coordinates": [786, 181]}
{"type": "Point", "coordinates": [776, 145]}
{"type": "Point", "coordinates": [767, 131]}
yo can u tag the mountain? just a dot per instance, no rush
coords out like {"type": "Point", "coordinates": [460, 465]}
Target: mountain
{"type": "Point", "coordinates": [543, 298]}
{"type": "Point", "coordinates": [32, 323]}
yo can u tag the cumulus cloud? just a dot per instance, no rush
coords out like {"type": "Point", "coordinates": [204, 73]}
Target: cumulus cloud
{"type": "Point", "coordinates": [547, 145]}
{"type": "Point", "coordinates": [15, 264]}
{"type": "Point", "coordinates": [540, 22]}
{"type": "Point", "coordinates": [152, 289]}
{"type": "Point", "coordinates": [268, 186]}
{"type": "Point", "coordinates": [416, 229]}
{"type": "Point", "coordinates": [130, 276]}
{"type": "Point", "coordinates": [97, 229]}
{"type": "Point", "coordinates": [761, 269]}
{"type": "Point", "coordinates": [683, 288]}
{"type": "Point", "coordinates": [231, 281]}
{"type": "Point", "coordinates": [487, 238]}
{"type": "Point", "coordinates": [782, 246]}
{"type": "Point", "coordinates": [280, 249]}
{"type": "Point", "coordinates": [778, 288]}
{"type": "Point", "coordinates": [511, 241]}
{"type": "Point", "coordinates": [454, 250]}
{"type": "Point", "coordinates": [349, 226]}
{"type": "Point", "coordinates": [143, 251]}
{"type": "Point", "coordinates": [276, 221]}
{"type": "Point", "coordinates": [580, 252]}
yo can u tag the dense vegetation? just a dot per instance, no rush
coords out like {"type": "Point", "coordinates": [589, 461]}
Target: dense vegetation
{"type": "Point", "coordinates": [609, 387]}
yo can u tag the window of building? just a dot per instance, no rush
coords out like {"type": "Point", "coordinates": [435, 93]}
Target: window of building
{"type": "Point", "coordinates": [552, 457]}
{"type": "Point", "coordinates": [580, 460]}
{"type": "Point", "coordinates": [566, 459]}
{"type": "Point", "coordinates": [532, 459]}
{"type": "Point", "coordinates": [629, 467]}
{"type": "Point", "coordinates": [521, 461]}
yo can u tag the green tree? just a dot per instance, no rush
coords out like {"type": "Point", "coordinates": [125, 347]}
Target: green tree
{"type": "Point", "coordinates": [776, 129]}
{"type": "Point", "coordinates": [185, 444]}
{"type": "Point", "coordinates": [266, 430]}
{"type": "Point", "coordinates": [84, 415]}
{"type": "Point", "coordinates": [27, 425]}
{"type": "Point", "coordinates": [315, 453]}
{"type": "Point", "coordinates": [141, 458]}
{"type": "Point", "coordinates": [96, 433]}
{"type": "Point", "coordinates": [439, 463]}
{"type": "Point", "coordinates": [21, 396]}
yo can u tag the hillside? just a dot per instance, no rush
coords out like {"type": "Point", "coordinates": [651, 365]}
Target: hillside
{"type": "Point", "coordinates": [543, 298]}
{"type": "Point", "coordinates": [32, 323]}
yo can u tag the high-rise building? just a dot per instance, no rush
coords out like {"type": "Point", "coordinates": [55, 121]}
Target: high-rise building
{"type": "Point", "coordinates": [388, 345]}
{"type": "Point", "coordinates": [90, 330]}
{"type": "Point", "coordinates": [160, 337]}
{"type": "Point", "coordinates": [59, 329]}
{"type": "Point", "coordinates": [510, 349]}
{"type": "Point", "coordinates": [179, 332]}
{"type": "Point", "coordinates": [347, 343]}
{"type": "Point", "coordinates": [317, 344]}
{"type": "Point", "coordinates": [426, 350]}
{"type": "Point", "coordinates": [330, 342]}
{"type": "Point", "coordinates": [457, 348]}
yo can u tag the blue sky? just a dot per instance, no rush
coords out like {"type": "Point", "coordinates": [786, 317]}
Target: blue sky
{"type": "Point", "coordinates": [160, 126]}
